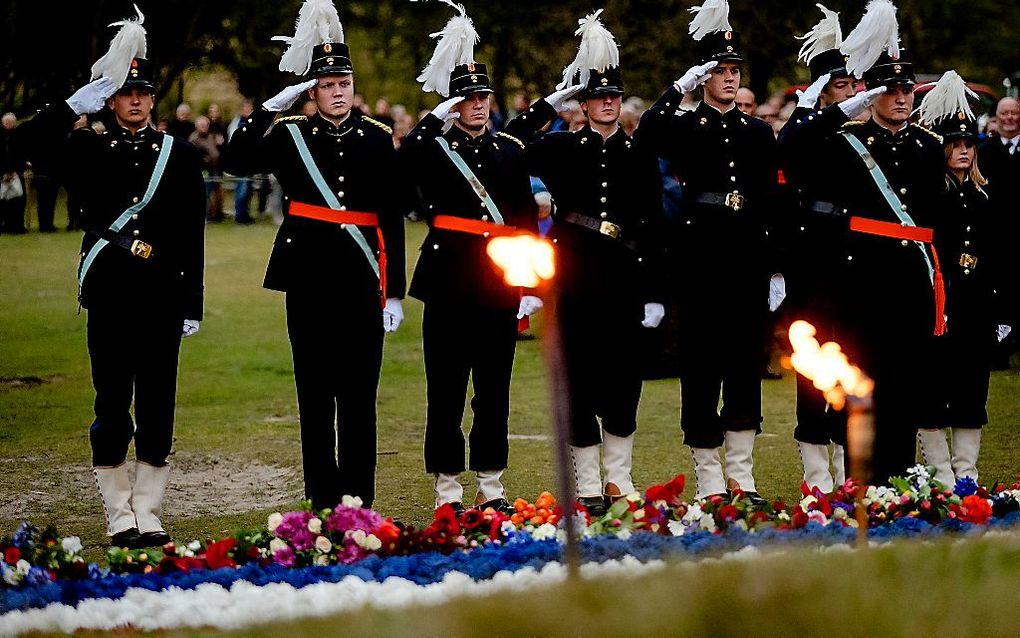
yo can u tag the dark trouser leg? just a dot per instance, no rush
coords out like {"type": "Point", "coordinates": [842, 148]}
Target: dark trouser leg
{"type": "Point", "coordinates": [492, 362]}
{"type": "Point", "coordinates": [242, 200]}
{"type": "Point", "coordinates": [447, 338]}
{"type": "Point", "coordinates": [618, 382]}
{"type": "Point", "coordinates": [700, 385]}
{"type": "Point", "coordinates": [156, 388]}
{"type": "Point", "coordinates": [902, 404]}
{"type": "Point", "coordinates": [580, 356]}
{"type": "Point", "coordinates": [361, 347]}
{"type": "Point", "coordinates": [312, 345]}
{"type": "Point", "coordinates": [113, 379]}
{"type": "Point", "coordinates": [46, 201]}
{"type": "Point", "coordinates": [12, 215]}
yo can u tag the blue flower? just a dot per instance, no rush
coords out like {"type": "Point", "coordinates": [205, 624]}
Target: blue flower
{"type": "Point", "coordinates": [965, 486]}
{"type": "Point", "coordinates": [37, 576]}
{"type": "Point", "coordinates": [25, 535]}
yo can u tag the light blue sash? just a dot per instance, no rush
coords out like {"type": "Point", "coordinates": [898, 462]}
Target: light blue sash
{"type": "Point", "coordinates": [157, 175]}
{"type": "Point", "coordinates": [476, 184]}
{"type": "Point", "coordinates": [331, 200]}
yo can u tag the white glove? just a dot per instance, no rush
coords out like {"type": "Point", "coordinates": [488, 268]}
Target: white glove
{"type": "Point", "coordinates": [443, 110]}
{"type": "Point", "coordinates": [91, 97]}
{"type": "Point", "coordinates": [558, 99]}
{"type": "Point", "coordinates": [856, 105]}
{"type": "Point", "coordinates": [695, 77]}
{"type": "Point", "coordinates": [807, 98]}
{"type": "Point", "coordinates": [392, 315]}
{"type": "Point", "coordinates": [777, 291]}
{"type": "Point", "coordinates": [190, 327]}
{"type": "Point", "coordinates": [286, 98]}
{"type": "Point", "coordinates": [654, 312]}
{"type": "Point", "coordinates": [1003, 331]}
{"type": "Point", "coordinates": [529, 306]}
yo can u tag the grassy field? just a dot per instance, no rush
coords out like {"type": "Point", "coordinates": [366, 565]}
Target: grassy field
{"type": "Point", "coordinates": [236, 456]}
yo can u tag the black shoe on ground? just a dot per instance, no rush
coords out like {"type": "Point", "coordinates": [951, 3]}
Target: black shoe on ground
{"type": "Point", "coordinates": [596, 505]}
{"type": "Point", "coordinates": [127, 539]}
{"type": "Point", "coordinates": [501, 505]}
{"type": "Point", "coordinates": [152, 539]}
{"type": "Point", "coordinates": [756, 499]}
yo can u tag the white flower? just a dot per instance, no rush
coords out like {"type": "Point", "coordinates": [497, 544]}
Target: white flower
{"type": "Point", "coordinates": [23, 567]}
{"type": "Point", "coordinates": [693, 513]}
{"type": "Point", "coordinates": [639, 514]}
{"type": "Point", "coordinates": [676, 528]}
{"type": "Point", "coordinates": [807, 501]}
{"type": "Point", "coordinates": [11, 577]}
{"type": "Point", "coordinates": [274, 521]}
{"type": "Point", "coordinates": [323, 544]}
{"type": "Point", "coordinates": [351, 501]}
{"type": "Point", "coordinates": [372, 543]}
{"type": "Point", "coordinates": [315, 525]}
{"type": "Point", "coordinates": [358, 536]}
{"type": "Point", "coordinates": [507, 527]}
{"type": "Point", "coordinates": [71, 544]}
{"type": "Point", "coordinates": [544, 532]}
{"type": "Point", "coordinates": [276, 545]}
{"type": "Point", "coordinates": [623, 534]}
{"type": "Point", "coordinates": [322, 559]}
{"type": "Point", "coordinates": [707, 523]}
{"type": "Point", "coordinates": [194, 546]}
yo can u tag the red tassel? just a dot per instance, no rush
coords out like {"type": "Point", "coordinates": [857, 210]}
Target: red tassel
{"type": "Point", "coordinates": [940, 295]}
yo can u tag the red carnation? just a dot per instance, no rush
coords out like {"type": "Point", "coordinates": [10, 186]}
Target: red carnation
{"type": "Point", "coordinates": [728, 513]}
{"type": "Point", "coordinates": [798, 517]}
{"type": "Point", "coordinates": [217, 554]}
{"type": "Point", "coordinates": [387, 532]}
{"type": "Point", "coordinates": [976, 509]}
{"type": "Point", "coordinates": [471, 519]}
{"type": "Point", "coordinates": [12, 555]}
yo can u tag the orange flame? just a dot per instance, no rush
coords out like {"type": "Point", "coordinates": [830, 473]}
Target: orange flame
{"type": "Point", "coordinates": [526, 260]}
{"type": "Point", "coordinates": [827, 366]}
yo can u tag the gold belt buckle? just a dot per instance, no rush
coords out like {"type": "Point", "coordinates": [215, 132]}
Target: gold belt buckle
{"type": "Point", "coordinates": [734, 201]}
{"type": "Point", "coordinates": [140, 249]}
{"type": "Point", "coordinates": [968, 261]}
{"type": "Point", "coordinates": [610, 230]}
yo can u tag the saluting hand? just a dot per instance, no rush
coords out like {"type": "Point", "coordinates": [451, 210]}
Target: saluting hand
{"type": "Point", "coordinates": [392, 315]}
{"type": "Point", "coordinates": [443, 110]}
{"type": "Point", "coordinates": [777, 291]}
{"type": "Point", "coordinates": [190, 327]}
{"type": "Point", "coordinates": [695, 77]}
{"type": "Point", "coordinates": [529, 306]}
{"type": "Point", "coordinates": [91, 97]}
{"type": "Point", "coordinates": [807, 98]}
{"type": "Point", "coordinates": [1002, 332]}
{"type": "Point", "coordinates": [856, 105]}
{"type": "Point", "coordinates": [286, 98]}
{"type": "Point", "coordinates": [558, 99]}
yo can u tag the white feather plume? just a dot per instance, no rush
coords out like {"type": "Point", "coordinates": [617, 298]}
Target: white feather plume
{"type": "Point", "coordinates": [317, 23]}
{"type": "Point", "coordinates": [128, 44]}
{"type": "Point", "coordinates": [824, 36]}
{"type": "Point", "coordinates": [877, 32]}
{"type": "Point", "coordinates": [712, 16]}
{"type": "Point", "coordinates": [456, 46]}
{"type": "Point", "coordinates": [947, 98]}
{"type": "Point", "coordinates": [598, 50]}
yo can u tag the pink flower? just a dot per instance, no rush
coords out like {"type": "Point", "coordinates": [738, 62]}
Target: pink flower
{"type": "Point", "coordinates": [284, 557]}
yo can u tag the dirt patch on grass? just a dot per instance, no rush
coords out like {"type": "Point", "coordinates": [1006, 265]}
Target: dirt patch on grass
{"type": "Point", "coordinates": [200, 485]}
{"type": "Point", "coordinates": [9, 383]}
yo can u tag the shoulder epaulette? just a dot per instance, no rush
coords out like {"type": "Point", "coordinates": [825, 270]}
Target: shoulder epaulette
{"type": "Point", "coordinates": [852, 123]}
{"type": "Point", "coordinates": [290, 118]}
{"type": "Point", "coordinates": [928, 131]}
{"type": "Point", "coordinates": [511, 138]}
{"type": "Point", "coordinates": [378, 123]}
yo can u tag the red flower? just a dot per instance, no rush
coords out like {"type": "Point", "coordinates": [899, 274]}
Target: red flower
{"type": "Point", "coordinates": [728, 513]}
{"type": "Point", "coordinates": [496, 521]}
{"type": "Point", "coordinates": [12, 555]}
{"type": "Point", "coordinates": [446, 520]}
{"type": "Point", "coordinates": [715, 499]}
{"type": "Point", "coordinates": [798, 518]}
{"type": "Point", "coordinates": [253, 552]}
{"type": "Point", "coordinates": [179, 564]}
{"type": "Point", "coordinates": [975, 509]}
{"type": "Point", "coordinates": [667, 492]}
{"type": "Point", "coordinates": [387, 532]}
{"type": "Point", "coordinates": [758, 517]}
{"type": "Point", "coordinates": [217, 554]}
{"type": "Point", "coordinates": [471, 519]}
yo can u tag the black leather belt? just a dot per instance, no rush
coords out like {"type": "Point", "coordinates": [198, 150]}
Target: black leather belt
{"type": "Point", "coordinates": [734, 201]}
{"type": "Point", "coordinates": [827, 208]}
{"type": "Point", "coordinates": [136, 247]}
{"type": "Point", "coordinates": [601, 226]}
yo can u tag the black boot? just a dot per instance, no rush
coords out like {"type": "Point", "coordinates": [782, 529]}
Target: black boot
{"type": "Point", "coordinates": [128, 539]}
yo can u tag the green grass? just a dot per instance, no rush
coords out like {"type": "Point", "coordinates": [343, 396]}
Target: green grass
{"type": "Point", "coordinates": [949, 588]}
{"type": "Point", "coordinates": [237, 454]}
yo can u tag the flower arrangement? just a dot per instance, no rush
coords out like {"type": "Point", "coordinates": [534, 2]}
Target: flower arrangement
{"type": "Point", "coordinates": [36, 557]}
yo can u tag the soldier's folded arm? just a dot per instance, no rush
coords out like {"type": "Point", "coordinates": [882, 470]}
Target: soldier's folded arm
{"type": "Point", "coordinates": [528, 124]}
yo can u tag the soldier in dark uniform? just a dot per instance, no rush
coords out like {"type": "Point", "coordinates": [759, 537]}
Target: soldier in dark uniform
{"type": "Point", "coordinates": [726, 164]}
{"type": "Point", "coordinates": [474, 185]}
{"type": "Point", "coordinates": [887, 286]}
{"type": "Point", "coordinates": [608, 206]}
{"type": "Point", "coordinates": [140, 276]}
{"type": "Point", "coordinates": [971, 252]}
{"type": "Point", "coordinates": [811, 267]}
{"type": "Point", "coordinates": [338, 256]}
